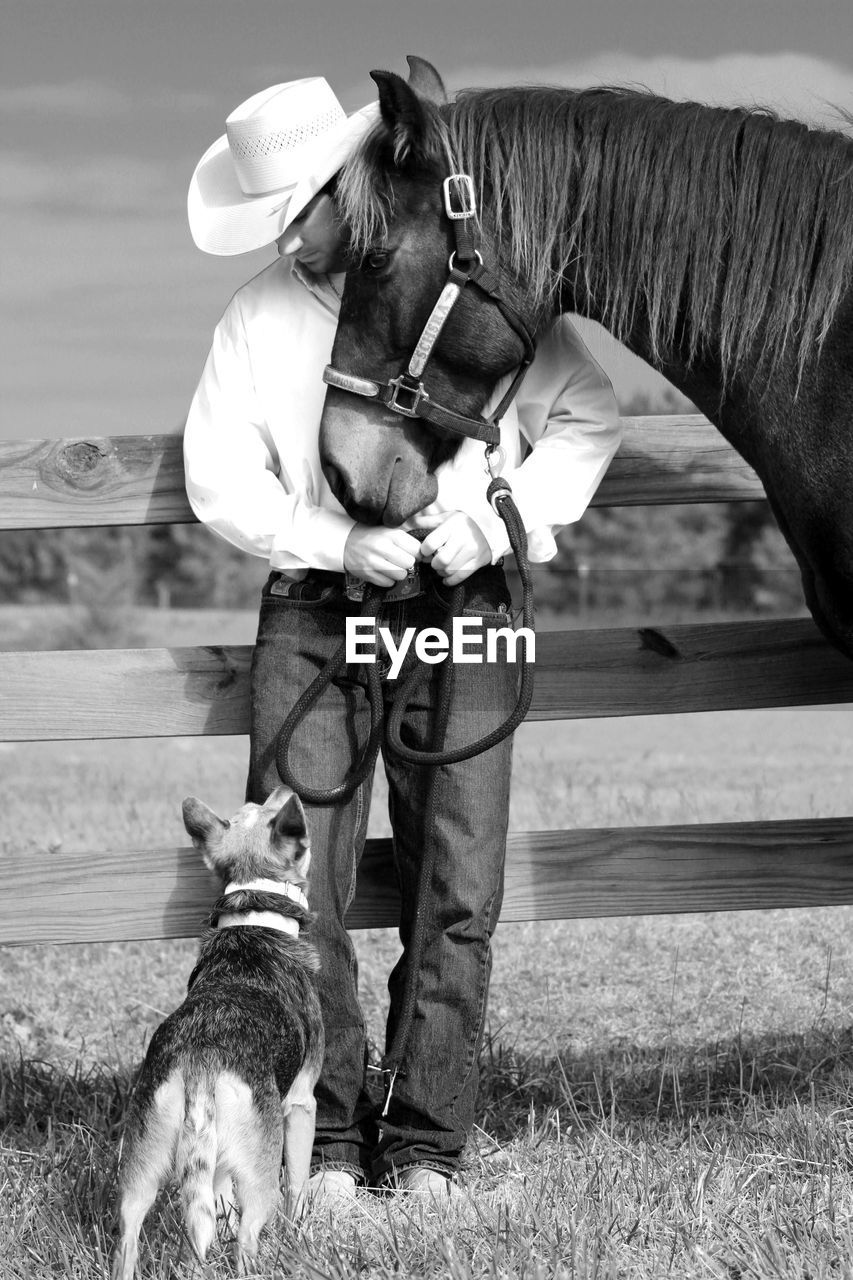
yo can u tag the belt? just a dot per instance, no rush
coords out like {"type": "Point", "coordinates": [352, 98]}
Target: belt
{"type": "Point", "coordinates": [409, 587]}
{"type": "Point", "coordinates": [319, 580]}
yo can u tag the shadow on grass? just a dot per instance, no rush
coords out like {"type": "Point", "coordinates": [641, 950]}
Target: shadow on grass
{"type": "Point", "coordinates": [667, 1083]}
{"type": "Point", "coordinates": [60, 1131]}
{"type": "Point", "coordinates": [39, 1100]}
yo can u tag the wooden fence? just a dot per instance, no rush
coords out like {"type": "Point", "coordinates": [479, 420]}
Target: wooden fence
{"type": "Point", "coordinates": [139, 693]}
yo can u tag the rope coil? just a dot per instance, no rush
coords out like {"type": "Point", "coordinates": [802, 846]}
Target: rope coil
{"type": "Point", "coordinates": [499, 494]}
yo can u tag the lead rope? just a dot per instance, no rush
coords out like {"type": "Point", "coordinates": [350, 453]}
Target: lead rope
{"type": "Point", "coordinates": [334, 795]}
{"type": "Point", "coordinates": [499, 495]}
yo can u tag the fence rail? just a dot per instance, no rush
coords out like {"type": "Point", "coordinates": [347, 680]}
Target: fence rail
{"type": "Point", "coordinates": [128, 480]}
{"type": "Point", "coordinates": [151, 693]}
{"type": "Point", "coordinates": [161, 692]}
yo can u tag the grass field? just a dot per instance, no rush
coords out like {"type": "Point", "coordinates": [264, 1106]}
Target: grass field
{"type": "Point", "coordinates": [660, 1095]}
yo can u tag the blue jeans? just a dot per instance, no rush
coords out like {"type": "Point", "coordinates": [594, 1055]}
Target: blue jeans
{"type": "Point", "coordinates": [431, 1111]}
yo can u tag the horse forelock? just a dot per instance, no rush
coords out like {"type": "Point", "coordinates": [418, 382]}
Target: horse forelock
{"type": "Point", "coordinates": [365, 190]}
{"type": "Point", "coordinates": [364, 194]}
{"type": "Point", "coordinates": [717, 225]}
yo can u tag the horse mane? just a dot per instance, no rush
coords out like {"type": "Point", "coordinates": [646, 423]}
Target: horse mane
{"type": "Point", "coordinates": [723, 224]}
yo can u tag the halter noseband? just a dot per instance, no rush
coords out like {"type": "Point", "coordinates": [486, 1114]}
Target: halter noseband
{"type": "Point", "coordinates": [405, 394]}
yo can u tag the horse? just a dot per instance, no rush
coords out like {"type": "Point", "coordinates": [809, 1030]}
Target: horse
{"type": "Point", "coordinates": [715, 243]}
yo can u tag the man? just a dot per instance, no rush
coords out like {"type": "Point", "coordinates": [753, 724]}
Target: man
{"type": "Point", "coordinates": [254, 476]}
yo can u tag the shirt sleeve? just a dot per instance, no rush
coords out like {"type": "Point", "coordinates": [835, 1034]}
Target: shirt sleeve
{"type": "Point", "coordinates": [568, 413]}
{"type": "Point", "coordinates": [233, 475]}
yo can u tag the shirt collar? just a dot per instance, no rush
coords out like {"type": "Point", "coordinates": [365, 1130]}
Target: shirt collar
{"type": "Point", "coordinates": [322, 287]}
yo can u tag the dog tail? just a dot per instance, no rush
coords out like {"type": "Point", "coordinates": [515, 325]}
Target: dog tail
{"type": "Point", "coordinates": [195, 1163]}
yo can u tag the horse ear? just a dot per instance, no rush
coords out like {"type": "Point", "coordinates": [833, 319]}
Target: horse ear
{"type": "Point", "coordinates": [425, 80]}
{"type": "Point", "coordinates": [404, 114]}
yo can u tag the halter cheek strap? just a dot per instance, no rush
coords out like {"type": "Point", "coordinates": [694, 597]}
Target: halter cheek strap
{"type": "Point", "coordinates": [406, 394]}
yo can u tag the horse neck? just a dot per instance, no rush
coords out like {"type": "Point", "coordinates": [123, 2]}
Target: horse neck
{"type": "Point", "coordinates": [705, 268]}
{"type": "Point", "coordinates": [700, 380]}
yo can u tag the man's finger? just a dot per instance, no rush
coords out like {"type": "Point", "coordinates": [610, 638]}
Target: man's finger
{"type": "Point", "coordinates": [396, 571]}
{"type": "Point", "coordinates": [433, 542]}
{"type": "Point", "coordinates": [428, 521]}
{"type": "Point", "coordinates": [461, 570]}
{"type": "Point", "coordinates": [402, 563]}
{"type": "Point", "coordinates": [406, 540]}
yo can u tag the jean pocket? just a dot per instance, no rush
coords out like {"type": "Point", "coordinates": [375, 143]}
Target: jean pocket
{"type": "Point", "coordinates": [307, 594]}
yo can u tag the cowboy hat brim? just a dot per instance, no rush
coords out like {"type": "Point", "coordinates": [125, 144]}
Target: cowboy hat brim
{"type": "Point", "coordinates": [224, 220]}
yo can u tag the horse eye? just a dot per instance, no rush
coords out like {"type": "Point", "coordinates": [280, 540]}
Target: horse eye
{"type": "Point", "coordinates": [375, 260]}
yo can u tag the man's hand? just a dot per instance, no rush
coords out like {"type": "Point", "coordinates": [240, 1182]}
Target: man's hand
{"type": "Point", "coordinates": [379, 555]}
{"type": "Point", "coordinates": [455, 547]}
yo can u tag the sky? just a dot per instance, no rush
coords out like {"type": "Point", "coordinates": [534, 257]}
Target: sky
{"type": "Point", "coordinates": [107, 105]}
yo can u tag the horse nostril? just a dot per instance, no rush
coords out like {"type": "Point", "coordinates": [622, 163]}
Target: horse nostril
{"type": "Point", "coordinates": [337, 484]}
{"type": "Point", "coordinates": [345, 494]}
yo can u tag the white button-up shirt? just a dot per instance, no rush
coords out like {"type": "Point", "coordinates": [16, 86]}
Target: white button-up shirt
{"type": "Point", "coordinates": [251, 443]}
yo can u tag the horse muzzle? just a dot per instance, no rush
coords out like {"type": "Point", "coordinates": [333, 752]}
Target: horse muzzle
{"type": "Point", "coordinates": [377, 464]}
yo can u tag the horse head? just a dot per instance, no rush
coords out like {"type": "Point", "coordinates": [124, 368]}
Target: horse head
{"type": "Point", "coordinates": [380, 462]}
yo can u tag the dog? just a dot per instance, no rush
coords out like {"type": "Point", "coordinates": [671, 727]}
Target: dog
{"type": "Point", "coordinates": [228, 1079]}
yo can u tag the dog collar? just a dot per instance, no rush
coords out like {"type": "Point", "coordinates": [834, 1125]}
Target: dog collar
{"type": "Point", "coordinates": [262, 919]}
{"type": "Point", "coordinates": [282, 887]}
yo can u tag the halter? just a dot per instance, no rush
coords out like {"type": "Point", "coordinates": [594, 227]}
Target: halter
{"type": "Point", "coordinates": [405, 394]}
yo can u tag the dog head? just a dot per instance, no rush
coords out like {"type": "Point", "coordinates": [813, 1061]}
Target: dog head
{"type": "Point", "coordinates": [268, 841]}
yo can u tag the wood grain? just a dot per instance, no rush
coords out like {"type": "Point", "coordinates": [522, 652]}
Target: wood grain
{"type": "Point", "coordinates": [129, 480]}
{"type": "Point", "coordinates": [141, 693]}
{"type": "Point", "coordinates": [111, 480]}
{"type": "Point", "coordinates": [551, 875]}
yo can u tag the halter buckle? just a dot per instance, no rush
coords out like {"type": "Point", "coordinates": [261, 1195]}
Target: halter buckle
{"type": "Point", "coordinates": [465, 195]}
{"type": "Point", "coordinates": [401, 386]}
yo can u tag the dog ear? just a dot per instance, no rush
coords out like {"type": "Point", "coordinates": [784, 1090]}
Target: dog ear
{"type": "Point", "coordinates": [205, 827]}
{"type": "Point", "coordinates": [288, 828]}
{"type": "Point", "coordinates": [289, 822]}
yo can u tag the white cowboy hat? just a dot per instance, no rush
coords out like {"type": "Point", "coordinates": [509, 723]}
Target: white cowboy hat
{"type": "Point", "coordinates": [280, 147]}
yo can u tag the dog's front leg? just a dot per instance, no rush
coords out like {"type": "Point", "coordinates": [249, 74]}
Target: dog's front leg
{"type": "Point", "coordinates": [299, 1110]}
{"type": "Point", "coordinates": [124, 1263]}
